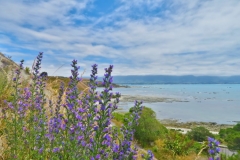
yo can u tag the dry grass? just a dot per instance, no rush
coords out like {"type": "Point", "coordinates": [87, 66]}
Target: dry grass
{"type": "Point", "coordinates": [117, 123]}
{"type": "Point", "coordinates": [5, 94]}
{"type": "Point", "coordinates": [3, 141]}
{"type": "Point", "coordinates": [53, 85]}
{"type": "Point", "coordinates": [5, 86]}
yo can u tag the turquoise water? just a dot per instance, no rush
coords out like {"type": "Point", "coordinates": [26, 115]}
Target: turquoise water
{"type": "Point", "coordinates": [206, 102]}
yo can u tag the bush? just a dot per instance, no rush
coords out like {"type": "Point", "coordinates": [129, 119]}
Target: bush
{"type": "Point", "coordinates": [231, 136]}
{"type": "Point", "coordinates": [178, 143]}
{"type": "Point", "coordinates": [199, 134]}
{"type": "Point", "coordinates": [118, 116]}
{"type": "Point", "coordinates": [237, 127]}
{"type": "Point", "coordinates": [149, 128]}
{"type": "Point", "coordinates": [232, 157]}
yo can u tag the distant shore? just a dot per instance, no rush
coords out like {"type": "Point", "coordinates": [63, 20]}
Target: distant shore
{"type": "Point", "coordinates": [212, 126]}
{"type": "Point", "coordinates": [149, 99]}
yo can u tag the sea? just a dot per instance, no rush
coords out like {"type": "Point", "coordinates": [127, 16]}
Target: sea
{"type": "Point", "coordinates": [218, 103]}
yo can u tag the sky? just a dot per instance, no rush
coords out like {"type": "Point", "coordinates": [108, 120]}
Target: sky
{"type": "Point", "coordinates": [139, 37]}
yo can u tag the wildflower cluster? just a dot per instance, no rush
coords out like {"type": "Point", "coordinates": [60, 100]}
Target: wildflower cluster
{"type": "Point", "coordinates": [213, 148]}
{"type": "Point", "coordinates": [149, 156]}
{"type": "Point", "coordinates": [77, 126]}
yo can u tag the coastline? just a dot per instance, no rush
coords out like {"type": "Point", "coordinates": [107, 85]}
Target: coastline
{"type": "Point", "coordinates": [149, 99]}
{"type": "Point", "coordinates": [211, 126]}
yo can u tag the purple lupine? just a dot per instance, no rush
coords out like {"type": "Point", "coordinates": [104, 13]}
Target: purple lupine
{"type": "Point", "coordinates": [83, 129]}
{"type": "Point", "coordinates": [17, 108]}
{"type": "Point", "coordinates": [214, 149]}
{"type": "Point", "coordinates": [125, 147]}
{"type": "Point", "coordinates": [149, 155]}
{"type": "Point", "coordinates": [55, 150]}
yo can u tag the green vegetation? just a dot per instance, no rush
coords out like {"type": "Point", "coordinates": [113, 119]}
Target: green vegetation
{"type": "Point", "coordinates": [118, 116]}
{"type": "Point", "coordinates": [231, 136]}
{"type": "Point", "coordinates": [149, 128]}
{"type": "Point", "coordinates": [152, 135]}
{"type": "Point", "coordinates": [5, 86]}
{"type": "Point", "coordinates": [232, 157]}
{"type": "Point", "coordinates": [178, 143]}
{"type": "Point", "coordinates": [199, 134]}
{"type": "Point", "coordinates": [27, 70]}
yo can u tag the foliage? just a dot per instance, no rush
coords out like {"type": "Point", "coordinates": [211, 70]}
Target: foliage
{"type": "Point", "coordinates": [27, 70]}
{"type": "Point", "coordinates": [231, 136]}
{"type": "Point", "coordinates": [178, 143]}
{"type": "Point", "coordinates": [149, 128]}
{"type": "Point", "coordinates": [5, 87]}
{"type": "Point", "coordinates": [199, 134]}
{"type": "Point", "coordinates": [149, 156]}
{"type": "Point", "coordinates": [77, 127]}
{"type": "Point", "coordinates": [118, 116]}
{"type": "Point", "coordinates": [236, 127]}
{"type": "Point", "coordinates": [232, 157]}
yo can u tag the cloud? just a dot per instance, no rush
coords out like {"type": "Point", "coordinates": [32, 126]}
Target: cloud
{"type": "Point", "coordinates": [138, 37]}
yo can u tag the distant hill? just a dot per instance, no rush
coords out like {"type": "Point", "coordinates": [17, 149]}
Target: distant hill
{"type": "Point", "coordinates": [165, 79]}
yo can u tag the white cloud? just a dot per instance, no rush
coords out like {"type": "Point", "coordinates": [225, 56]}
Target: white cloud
{"type": "Point", "coordinates": [172, 37]}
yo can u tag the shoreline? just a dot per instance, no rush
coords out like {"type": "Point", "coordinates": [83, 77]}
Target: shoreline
{"type": "Point", "coordinates": [175, 123]}
{"type": "Point", "coordinates": [171, 122]}
{"type": "Point", "coordinates": [149, 99]}
{"type": "Point", "coordinates": [211, 126]}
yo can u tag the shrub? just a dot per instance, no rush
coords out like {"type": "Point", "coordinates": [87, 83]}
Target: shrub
{"type": "Point", "coordinates": [237, 127]}
{"type": "Point", "coordinates": [199, 134]}
{"type": "Point", "coordinates": [149, 128]}
{"type": "Point", "coordinates": [77, 127]}
{"type": "Point", "coordinates": [232, 157]}
{"type": "Point", "coordinates": [178, 143]}
{"type": "Point", "coordinates": [118, 116]}
{"type": "Point", "coordinates": [231, 136]}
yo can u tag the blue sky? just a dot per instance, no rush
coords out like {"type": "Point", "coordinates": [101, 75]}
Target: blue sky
{"type": "Point", "coordinates": [139, 37]}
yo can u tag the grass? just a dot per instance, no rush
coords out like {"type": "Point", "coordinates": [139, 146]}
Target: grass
{"type": "Point", "coordinates": [5, 86]}
{"type": "Point", "coordinates": [54, 83]}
